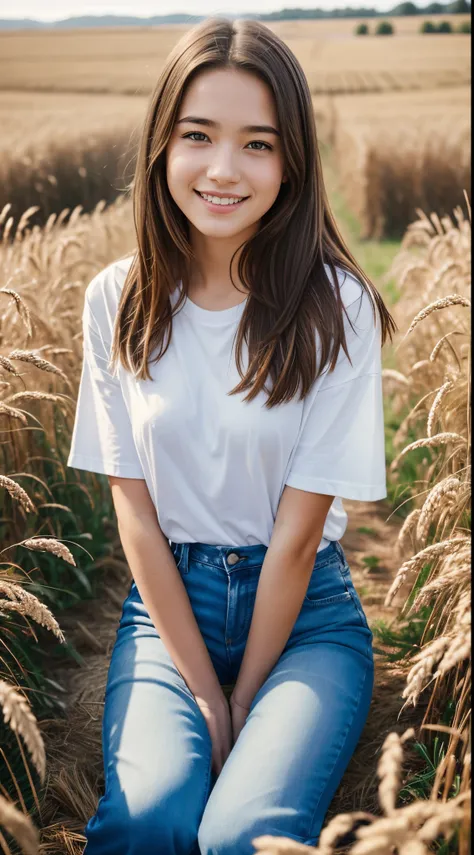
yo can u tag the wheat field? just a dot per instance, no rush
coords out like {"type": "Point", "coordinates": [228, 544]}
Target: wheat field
{"type": "Point", "coordinates": [58, 150]}
{"type": "Point", "coordinates": [127, 61]}
{"type": "Point", "coordinates": [399, 153]}
{"type": "Point", "coordinates": [394, 117]}
{"type": "Point", "coordinates": [395, 112]}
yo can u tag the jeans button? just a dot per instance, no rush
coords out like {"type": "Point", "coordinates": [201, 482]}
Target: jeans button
{"type": "Point", "coordinates": [232, 558]}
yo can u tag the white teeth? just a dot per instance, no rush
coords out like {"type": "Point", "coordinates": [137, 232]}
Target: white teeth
{"type": "Point", "coordinates": [218, 200]}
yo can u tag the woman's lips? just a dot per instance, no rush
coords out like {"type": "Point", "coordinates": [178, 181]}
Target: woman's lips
{"type": "Point", "coordinates": [221, 209]}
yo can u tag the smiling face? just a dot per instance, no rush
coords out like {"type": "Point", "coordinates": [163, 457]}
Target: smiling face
{"type": "Point", "coordinates": [222, 157]}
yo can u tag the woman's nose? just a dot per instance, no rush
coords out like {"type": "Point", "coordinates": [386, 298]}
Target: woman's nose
{"type": "Point", "coordinates": [223, 166]}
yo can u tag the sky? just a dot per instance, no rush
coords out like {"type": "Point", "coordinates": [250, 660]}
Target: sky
{"type": "Point", "coordinates": [53, 10]}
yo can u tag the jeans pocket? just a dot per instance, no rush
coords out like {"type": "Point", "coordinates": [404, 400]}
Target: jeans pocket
{"type": "Point", "coordinates": [346, 575]}
{"type": "Point", "coordinates": [326, 584]}
{"type": "Point", "coordinates": [358, 605]}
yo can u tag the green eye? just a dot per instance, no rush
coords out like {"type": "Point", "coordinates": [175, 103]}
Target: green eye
{"type": "Point", "coordinates": [194, 133]}
{"type": "Point", "coordinates": [201, 134]}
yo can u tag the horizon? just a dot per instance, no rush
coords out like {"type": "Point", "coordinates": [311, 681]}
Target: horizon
{"type": "Point", "coordinates": [52, 11]}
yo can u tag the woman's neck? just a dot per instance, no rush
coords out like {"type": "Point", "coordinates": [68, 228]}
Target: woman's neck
{"type": "Point", "coordinates": [217, 297]}
{"type": "Point", "coordinates": [208, 278]}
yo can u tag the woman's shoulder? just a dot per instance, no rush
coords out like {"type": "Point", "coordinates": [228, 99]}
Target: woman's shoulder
{"type": "Point", "coordinates": [359, 299]}
{"type": "Point", "coordinates": [350, 286]}
{"type": "Point", "coordinates": [102, 294]}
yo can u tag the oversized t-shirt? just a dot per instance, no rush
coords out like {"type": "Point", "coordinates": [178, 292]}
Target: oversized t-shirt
{"type": "Point", "coordinates": [216, 466]}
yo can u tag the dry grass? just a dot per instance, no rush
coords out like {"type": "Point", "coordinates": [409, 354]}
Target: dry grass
{"type": "Point", "coordinates": [399, 153]}
{"type": "Point", "coordinates": [58, 151]}
{"type": "Point", "coordinates": [128, 61]}
{"type": "Point", "coordinates": [44, 272]}
{"type": "Point", "coordinates": [435, 264]}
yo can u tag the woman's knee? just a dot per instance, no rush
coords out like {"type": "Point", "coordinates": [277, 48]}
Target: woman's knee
{"type": "Point", "coordinates": [229, 834]}
{"type": "Point", "coordinates": [162, 826]}
{"type": "Point", "coordinates": [235, 837]}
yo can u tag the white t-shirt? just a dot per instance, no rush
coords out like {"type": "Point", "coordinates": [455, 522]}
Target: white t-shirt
{"type": "Point", "coordinates": [214, 465]}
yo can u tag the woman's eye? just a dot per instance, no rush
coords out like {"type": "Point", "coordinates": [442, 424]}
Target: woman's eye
{"type": "Point", "coordinates": [200, 134]}
{"type": "Point", "coordinates": [193, 134]}
{"type": "Point", "coordinates": [256, 142]}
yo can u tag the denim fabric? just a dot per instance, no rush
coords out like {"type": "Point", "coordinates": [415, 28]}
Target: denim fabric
{"type": "Point", "coordinates": [161, 797]}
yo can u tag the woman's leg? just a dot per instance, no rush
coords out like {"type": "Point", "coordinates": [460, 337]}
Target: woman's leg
{"type": "Point", "coordinates": [303, 726]}
{"type": "Point", "coordinates": [156, 748]}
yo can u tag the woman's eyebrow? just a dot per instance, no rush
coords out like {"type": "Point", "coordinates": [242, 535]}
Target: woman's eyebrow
{"type": "Point", "coordinates": [253, 129]}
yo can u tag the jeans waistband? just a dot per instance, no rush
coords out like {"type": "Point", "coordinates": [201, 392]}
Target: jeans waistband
{"type": "Point", "coordinates": [232, 558]}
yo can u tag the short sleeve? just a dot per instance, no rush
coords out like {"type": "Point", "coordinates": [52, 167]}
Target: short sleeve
{"type": "Point", "coordinates": [340, 449]}
{"type": "Point", "coordinates": [102, 439]}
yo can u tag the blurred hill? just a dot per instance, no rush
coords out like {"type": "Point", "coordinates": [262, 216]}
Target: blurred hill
{"type": "Point", "coordinates": [108, 21]}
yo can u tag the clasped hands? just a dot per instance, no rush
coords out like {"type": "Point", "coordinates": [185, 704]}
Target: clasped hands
{"type": "Point", "coordinates": [224, 722]}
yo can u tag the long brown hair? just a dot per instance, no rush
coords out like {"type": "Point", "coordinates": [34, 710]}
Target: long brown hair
{"type": "Point", "coordinates": [281, 265]}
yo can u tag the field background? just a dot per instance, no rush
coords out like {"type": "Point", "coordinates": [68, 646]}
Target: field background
{"type": "Point", "coordinates": [394, 124]}
{"type": "Point", "coordinates": [127, 61]}
{"type": "Point", "coordinates": [393, 111]}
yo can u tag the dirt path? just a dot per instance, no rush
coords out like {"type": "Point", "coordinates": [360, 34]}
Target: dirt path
{"type": "Point", "coordinates": [73, 744]}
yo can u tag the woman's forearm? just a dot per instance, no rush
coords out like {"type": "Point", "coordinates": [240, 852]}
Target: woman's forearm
{"type": "Point", "coordinates": [165, 598]}
{"type": "Point", "coordinates": [281, 589]}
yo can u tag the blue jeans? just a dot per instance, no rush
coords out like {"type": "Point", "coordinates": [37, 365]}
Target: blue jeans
{"type": "Point", "coordinates": [161, 797]}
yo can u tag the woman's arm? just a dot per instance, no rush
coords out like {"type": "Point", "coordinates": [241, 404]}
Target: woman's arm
{"type": "Point", "coordinates": [282, 585]}
{"type": "Point", "coordinates": [161, 587]}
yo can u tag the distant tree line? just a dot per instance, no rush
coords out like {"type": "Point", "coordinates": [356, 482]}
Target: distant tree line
{"type": "Point", "coordinates": [386, 28]}
{"type": "Point", "coordinates": [458, 7]}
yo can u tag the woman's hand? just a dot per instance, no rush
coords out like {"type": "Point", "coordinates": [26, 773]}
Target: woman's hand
{"type": "Point", "coordinates": [238, 716]}
{"type": "Point", "coordinates": [217, 715]}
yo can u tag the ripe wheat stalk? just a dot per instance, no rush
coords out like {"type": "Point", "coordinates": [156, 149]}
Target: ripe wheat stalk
{"type": "Point", "coordinates": [44, 273]}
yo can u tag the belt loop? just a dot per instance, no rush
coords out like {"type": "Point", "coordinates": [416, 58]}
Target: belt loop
{"type": "Point", "coordinates": [339, 550]}
{"type": "Point", "coordinates": [184, 558]}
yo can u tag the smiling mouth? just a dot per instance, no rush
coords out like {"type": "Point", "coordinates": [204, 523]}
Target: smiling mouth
{"type": "Point", "coordinates": [221, 204]}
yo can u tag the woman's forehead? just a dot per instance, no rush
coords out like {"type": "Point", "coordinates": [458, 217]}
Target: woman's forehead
{"type": "Point", "coordinates": [231, 95]}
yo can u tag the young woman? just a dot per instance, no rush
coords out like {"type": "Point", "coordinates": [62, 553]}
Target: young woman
{"type": "Point", "coordinates": [231, 390]}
